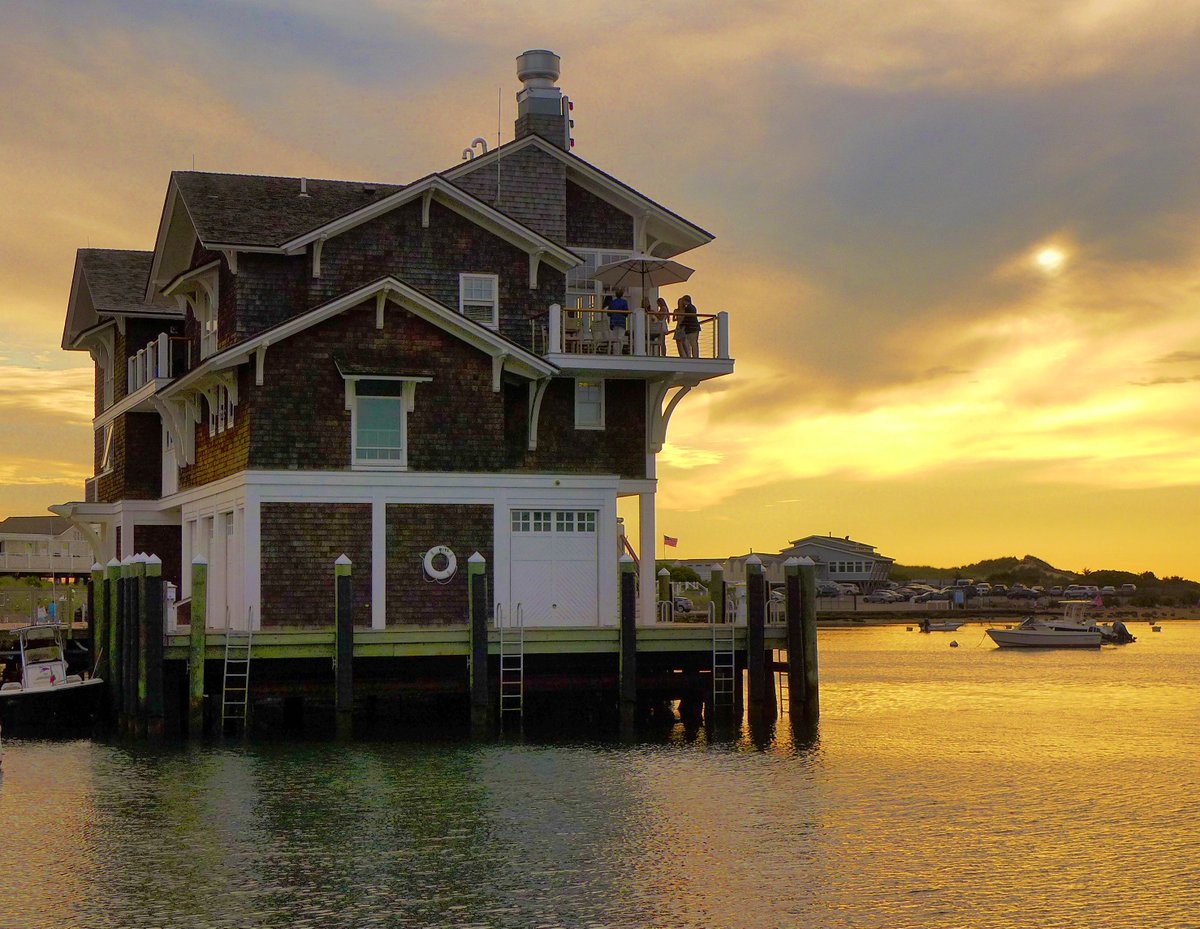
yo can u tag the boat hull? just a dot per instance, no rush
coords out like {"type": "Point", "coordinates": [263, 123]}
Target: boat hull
{"type": "Point", "coordinates": [63, 706]}
{"type": "Point", "coordinates": [1038, 638]}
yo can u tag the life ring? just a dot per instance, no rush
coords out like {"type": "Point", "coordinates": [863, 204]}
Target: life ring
{"type": "Point", "coordinates": [440, 574]}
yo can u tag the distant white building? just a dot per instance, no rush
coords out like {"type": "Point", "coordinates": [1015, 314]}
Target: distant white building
{"type": "Point", "coordinates": [841, 560]}
{"type": "Point", "coordinates": [43, 545]}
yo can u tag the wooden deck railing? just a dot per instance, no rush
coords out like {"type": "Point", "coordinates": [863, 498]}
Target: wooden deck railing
{"type": "Point", "coordinates": [592, 332]}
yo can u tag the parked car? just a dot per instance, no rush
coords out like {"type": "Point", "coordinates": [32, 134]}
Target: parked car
{"type": "Point", "coordinates": [849, 590]}
{"type": "Point", "coordinates": [1108, 591]}
{"type": "Point", "coordinates": [683, 605]}
{"type": "Point", "coordinates": [1127, 590]}
{"type": "Point", "coordinates": [998, 590]}
{"type": "Point", "coordinates": [1054, 592]}
{"type": "Point", "coordinates": [1022, 593]}
{"type": "Point", "coordinates": [828, 589]}
{"type": "Point", "coordinates": [880, 596]}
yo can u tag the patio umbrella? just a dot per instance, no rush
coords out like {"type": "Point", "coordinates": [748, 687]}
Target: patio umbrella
{"type": "Point", "coordinates": [642, 271]}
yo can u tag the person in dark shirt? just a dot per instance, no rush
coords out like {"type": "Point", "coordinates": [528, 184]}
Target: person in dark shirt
{"type": "Point", "coordinates": [618, 317]}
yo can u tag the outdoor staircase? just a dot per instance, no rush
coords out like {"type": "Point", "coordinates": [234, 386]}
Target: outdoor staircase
{"type": "Point", "coordinates": [512, 663]}
{"type": "Point", "coordinates": [724, 662]}
{"type": "Point", "coordinates": [782, 686]}
{"type": "Point", "coordinates": [235, 684]}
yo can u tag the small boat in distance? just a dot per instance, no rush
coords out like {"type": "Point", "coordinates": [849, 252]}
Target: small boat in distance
{"type": "Point", "coordinates": [939, 626]}
{"type": "Point", "coordinates": [1073, 630]}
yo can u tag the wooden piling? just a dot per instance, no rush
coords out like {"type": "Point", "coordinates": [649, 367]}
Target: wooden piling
{"type": "Point", "coordinates": [716, 592]}
{"type": "Point", "coordinates": [343, 660]}
{"type": "Point", "coordinates": [129, 669]}
{"type": "Point", "coordinates": [756, 640]}
{"type": "Point", "coordinates": [627, 667]}
{"type": "Point", "coordinates": [664, 590]}
{"type": "Point", "coordinates": [808, 622]}
{"type": "Point", "coordinates": [142, 627]}
{"type": "Point", "coordinates": [152, 612]}
{"type": "Point", "coordinates": [795, 636]}
{"type": "Point", "coordinates": [97, 613]}
{"type": "Point", "coordinates": [477, 611]}
{"type": "Point", "coordinates": [196, 643]}
{"type": "Point", "coordinates": [116, 602]}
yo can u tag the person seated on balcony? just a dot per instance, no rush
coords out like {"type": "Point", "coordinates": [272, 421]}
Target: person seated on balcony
{"type": "Point", "coordinates": [658, 322]}
{"type": "Point", "coordinates": [618, 318]}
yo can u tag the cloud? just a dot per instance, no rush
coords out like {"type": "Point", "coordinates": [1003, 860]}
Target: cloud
{"type": "Point", "coordinates": [1178, 356]}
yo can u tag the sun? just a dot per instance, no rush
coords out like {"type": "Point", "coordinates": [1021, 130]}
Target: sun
{"type": "Point", "coordinates": [1050, 259]}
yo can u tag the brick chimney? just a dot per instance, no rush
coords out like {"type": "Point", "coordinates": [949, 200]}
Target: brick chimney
{"type": "Point", "coordinates": [541, 107]}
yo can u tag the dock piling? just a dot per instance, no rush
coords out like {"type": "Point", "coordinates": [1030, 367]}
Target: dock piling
{"type": "Point", "coordinates": [115, 604]}
{"type": "Point", "coordinates": [98, 618]}
{"type": "Point", "coordinates": [808, 622]}
{"type": "Point", "coordinates": [664, 589]}
{"type": "Point", "coordinates": [627, 667]}
{"type": "Point", "coordinates": [756, 641]}
{"type": "Point", "coordinates": [795, 636]}
{"type": "Point", "coordinates": [142, 630]}
{"type": "Point", "coordinates": [477, 606]}
{"type": "Point", "coordinates": [343, 661]}
{"type": "Point", "coordinates": [152, 612]}
{"type": "Point", "coordinates": [196, 643]}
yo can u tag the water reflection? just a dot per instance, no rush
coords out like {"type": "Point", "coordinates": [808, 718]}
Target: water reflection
{"type": "Point", "coordinates": [941, 788]}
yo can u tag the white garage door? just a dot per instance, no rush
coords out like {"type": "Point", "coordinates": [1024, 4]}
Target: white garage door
{"type": "Point", "coordinates": [553, 560]}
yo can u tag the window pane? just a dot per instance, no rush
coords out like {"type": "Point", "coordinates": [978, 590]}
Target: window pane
{"type": "Point", "coordinates": [380, 428]}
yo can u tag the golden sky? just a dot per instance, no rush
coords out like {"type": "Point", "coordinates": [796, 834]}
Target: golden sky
{"type": "Point", "coordinates": [959, 242]}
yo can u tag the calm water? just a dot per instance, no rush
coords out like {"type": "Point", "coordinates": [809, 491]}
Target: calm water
{"type": "Point", "coordinates": [945, 787]}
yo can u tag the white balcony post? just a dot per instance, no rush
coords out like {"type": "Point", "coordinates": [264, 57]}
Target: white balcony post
{"type": "Point", "coordinates": [556, 333]}
{"type": "Point", "coordinates": [130, 367]}
{"type": "Point", "coordinates": [639, 331]}
{"type": "Point", "coordinates": [723, 334]}
{"type": "Point", "coordinates": [164, 356]}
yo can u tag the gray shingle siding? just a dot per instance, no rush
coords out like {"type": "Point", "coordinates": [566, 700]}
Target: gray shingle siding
{"type": "Point", "coordinates": [532, 188]}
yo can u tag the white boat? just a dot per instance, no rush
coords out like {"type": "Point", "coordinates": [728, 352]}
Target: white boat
{"type": "Point", "coordinates": [1072, 630]}
{"type": "Point", "coordinates": [42, 666]}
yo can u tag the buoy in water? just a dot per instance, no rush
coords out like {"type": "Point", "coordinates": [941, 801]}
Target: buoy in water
{"type": "Point", "coordinates": [1156, 628]}
{"type": "Point", "coordinates": [954, 643]}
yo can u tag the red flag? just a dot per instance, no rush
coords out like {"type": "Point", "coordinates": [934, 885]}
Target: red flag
{"type": "Point", "coordinates": [668, 540]}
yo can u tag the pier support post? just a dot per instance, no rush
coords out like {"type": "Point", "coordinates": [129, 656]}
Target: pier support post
{"type": "Point", "coordinates": [116, 602]}
{"type": "Point", "coordinates": [664, 591]}
{"type": "Point", "coordinates": [477, 606]}
{"type": "Point", "coordinates": [142, 631]}
{"type": "Point", "coordinates": [343, 656]}
{"type": "Point", "coordinates": [716, 593]}
{"type": "Point", "coordinates": [627, 668]}
{"type": "Point", "coordinates": [756, 641]}
{"type": "Point", "coordinates": [795, 636]}
{"type": "Point", "coordinates": [196, 649]}
{"type": "Point", "coordinates": [98, 617]}
{"type": "Point", "coordinates": [129, 673]}
{"type": "Point", "coordinates": [808, 622]}
{"type": "Point", "coordinates": [152, 613]}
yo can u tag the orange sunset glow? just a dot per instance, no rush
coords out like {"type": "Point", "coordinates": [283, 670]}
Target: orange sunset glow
{"type": "Point", "coordinates": [959, 243]}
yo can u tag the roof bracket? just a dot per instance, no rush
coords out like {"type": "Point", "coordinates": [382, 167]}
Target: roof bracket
{"type": "Point", "coordinates": [316, 256]}
{"type": "Point", "coordinates": [260, 356]}
{"type": "Point", "coordinates": [497, 371]}
{"type": "Point", "coordinates": [230, 257]}
{"type": "Point", "coordinates": [380, 303]}
{"type": "Point", "coordinates": [535, 259]}
{"type": "Point", "coordinates": [426, 199]}
{"type": "Point", "coordinates": [537, 390]}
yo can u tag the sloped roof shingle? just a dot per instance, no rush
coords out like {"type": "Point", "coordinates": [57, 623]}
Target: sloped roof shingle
{"type": "Point", "coordinates": [116, 279]}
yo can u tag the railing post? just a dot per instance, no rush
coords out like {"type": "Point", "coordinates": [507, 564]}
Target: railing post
{"type": "Point", "coordinates": [196, 646]}
{"type": "Point", "coordinates": [343, 654]}
{"type": "Point", "coordinates": [639, 331]}
{"type": "Point", "coordinates": [555, 329]}
{"type": "Point", "coordinates": [477, 601]}
{"type": "Point", "coordinates": [164, 356]}
{"type": "Point", "coordinates": [723, 334]}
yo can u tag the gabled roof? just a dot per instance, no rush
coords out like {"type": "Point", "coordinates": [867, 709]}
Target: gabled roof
{"type": "Point", "coordinates": [514, 356]}
{"type": "Point", "coordinates": [258, 210]}
{"type": "Point", "coordinates": [600, 183]}
{"type": "Point", "coordinates": [847, 545]}
{"type": "Point", "coordinates": [34, 525]}
{"type": "Point", "coordinates": [110, 282]}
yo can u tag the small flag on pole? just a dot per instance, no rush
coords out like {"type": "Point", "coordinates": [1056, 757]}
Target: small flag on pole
{"type": "Point", "coordinates": [669, 540]}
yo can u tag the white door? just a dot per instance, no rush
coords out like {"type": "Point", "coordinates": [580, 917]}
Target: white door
{"type": "Point", "coordinates": [553, 573]}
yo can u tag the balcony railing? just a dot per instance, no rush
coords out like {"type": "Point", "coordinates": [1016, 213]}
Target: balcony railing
{"type": "Point", "coordinates": [79, 562]}
{"type": "Point", "coordinates": [164, 357]}
{"type": "Point", "coordinates": [591, 332]}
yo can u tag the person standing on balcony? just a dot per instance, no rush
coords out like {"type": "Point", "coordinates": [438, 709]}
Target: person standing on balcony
{"type": "Point", "coordinates": [618, 318]}
{"type": "Point", "coordinates": [659, 322]}
{"type": "Point", "coordinates": [687, 328]}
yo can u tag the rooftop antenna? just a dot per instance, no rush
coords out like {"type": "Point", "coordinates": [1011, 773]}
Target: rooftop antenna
{"type": "Point", "coordinates": [193, 161]}
{"type": "Point", "coordinates": [499, 157]}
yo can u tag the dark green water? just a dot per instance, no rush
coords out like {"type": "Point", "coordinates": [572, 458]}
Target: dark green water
{"type": "Point", "coordinates": [945, 788]}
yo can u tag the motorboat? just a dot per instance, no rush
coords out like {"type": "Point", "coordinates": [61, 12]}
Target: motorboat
{"type": "Point", "coordinates": [1071, 630]}
{"type": "Point", "coordinates": [940, 626]}
{"type": "Point", "coordinates": [40, 672]}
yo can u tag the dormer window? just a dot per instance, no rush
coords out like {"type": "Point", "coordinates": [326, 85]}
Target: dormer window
{"type": "Point", "coordinates": [197, 291]}
{"type": "Point", "coordinates": [479, 298]}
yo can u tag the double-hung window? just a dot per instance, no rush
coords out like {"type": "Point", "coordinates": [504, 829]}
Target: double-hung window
{"type": "Point", "coordinates": [479, 298]}
{"type": "Point", "coordinates": [589, 403]}
{"type": "Point", "coordinates": [379, 409]}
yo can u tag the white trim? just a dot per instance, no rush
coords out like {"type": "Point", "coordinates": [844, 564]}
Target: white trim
{"type": "Point", "coordinates": [130, 402]}
{"type": "Point", "coordinates": [473, 276]}
{"type": "Point", "coordinates": [378, 564]}
{"type": "Point", "coordinates": [593, 382]}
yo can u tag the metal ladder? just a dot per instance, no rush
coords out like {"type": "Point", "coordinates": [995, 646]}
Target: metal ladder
{"type": "Point", "coordinates": [512, 662]}
{"type": "Point", "coordinates": [724, 660]}
{"type": "Point", "coordinates": [235, 685]}
{"type": "Point", "coordinates": [782, 685]}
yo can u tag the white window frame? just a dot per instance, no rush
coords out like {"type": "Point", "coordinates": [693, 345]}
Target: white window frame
{"type": "Point", "coordinates": [580, 384]}
{"type": "Point", "coordinates": [106, 449]}
{"type": "Point", "coordinates": [463, 303]}
{"type": "Point", "coordinates": [406, 398]}
{"type": "Point", "coordinates": [582, 292]}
